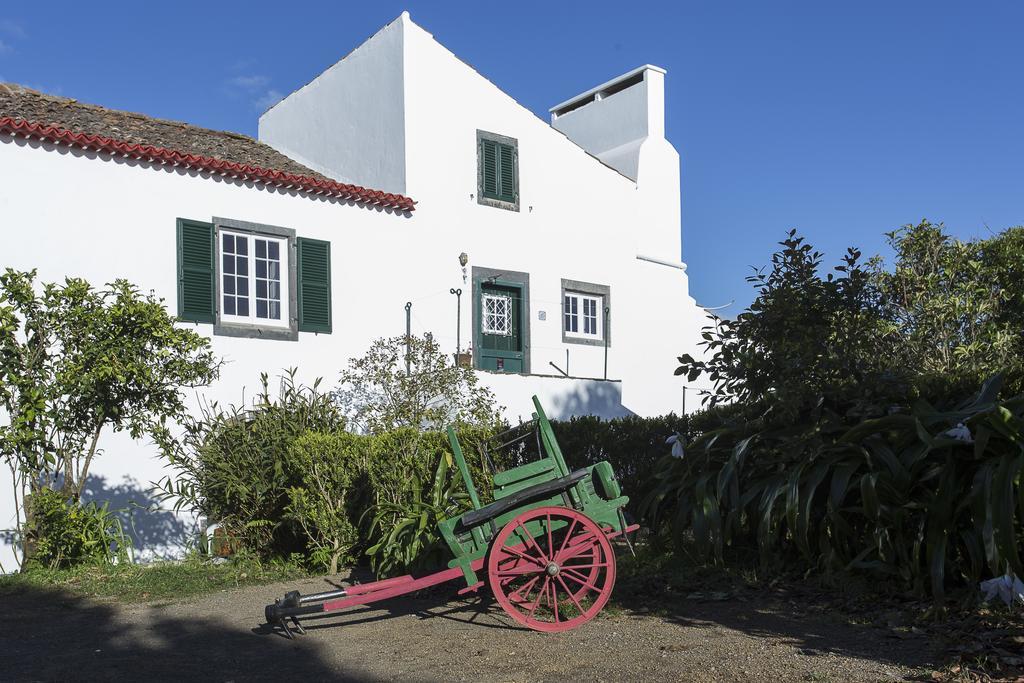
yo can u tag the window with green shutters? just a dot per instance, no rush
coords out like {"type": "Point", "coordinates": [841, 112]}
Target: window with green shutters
{"type": "Point", "coordinates": [314, 285]}
{"type": "Point", "coordinates": [252, 280]}
{"type": "Point", "coordinates": [498, 172]}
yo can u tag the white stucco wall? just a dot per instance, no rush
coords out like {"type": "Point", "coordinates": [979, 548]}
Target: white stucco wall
{"type": "Point", "coordinates": [347, 123]}
{"type": "Point", "coordinates": [71, 213]}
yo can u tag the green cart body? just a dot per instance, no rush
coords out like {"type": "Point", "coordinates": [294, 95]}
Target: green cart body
{"type": "Point", "coordinates": [594, 491]}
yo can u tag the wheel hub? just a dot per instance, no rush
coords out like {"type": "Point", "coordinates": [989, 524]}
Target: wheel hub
{"type": "Point", "coordinates": [552, 569]}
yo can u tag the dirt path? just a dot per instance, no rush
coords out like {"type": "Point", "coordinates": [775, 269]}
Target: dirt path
{"type": "Point", "coordinates": [54, 636]}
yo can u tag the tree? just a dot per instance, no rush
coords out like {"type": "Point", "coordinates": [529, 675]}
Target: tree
{"type": "Point", "coordinates": [804, 336]}
{"type": "Point", "coordinates": [957, 305]}
{"type": "Point", "coordinates": [378, 393]}
{"type": "Point", "coordinates": [75, 361]}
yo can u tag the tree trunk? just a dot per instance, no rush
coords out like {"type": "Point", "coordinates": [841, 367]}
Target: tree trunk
{"type": "Point", "coordinates": [79, 483]}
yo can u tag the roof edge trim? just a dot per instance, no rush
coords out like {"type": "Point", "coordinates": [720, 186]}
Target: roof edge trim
{"type": "Point", "coordinates": [165, 156]}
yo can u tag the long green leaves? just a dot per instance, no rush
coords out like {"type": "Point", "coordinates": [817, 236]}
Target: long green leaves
{"type": "Point", "coordinates": [927, 497]}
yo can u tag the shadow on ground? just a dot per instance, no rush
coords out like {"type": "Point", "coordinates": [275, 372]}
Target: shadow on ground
{"type": "Point", "coordinates": [807, 621]}
{"type": "Point", "coordinates": [53, 635]}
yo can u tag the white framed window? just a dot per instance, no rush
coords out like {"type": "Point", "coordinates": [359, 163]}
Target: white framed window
{"type": "Point", "coordinates": [497, 318]}
{"type": "Point", "coordinates": [583, 316]}
{"type": "Point", "coordinates": [254, 283]}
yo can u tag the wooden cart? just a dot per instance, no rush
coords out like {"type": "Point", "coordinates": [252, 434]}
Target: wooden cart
{"type": "Point", "coordinates": [543, 547]}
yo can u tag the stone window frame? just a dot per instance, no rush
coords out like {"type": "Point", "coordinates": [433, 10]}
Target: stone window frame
{"type": "Point", "coordinates": [504, 140]}
{"type": "Point", "coordinates": [256, 331]}
{"type": "Point", "coordinates": [593, 289]}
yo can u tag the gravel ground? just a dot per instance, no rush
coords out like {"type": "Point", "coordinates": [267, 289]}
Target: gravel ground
{"type": "Point", "coordinates": [755, 637]}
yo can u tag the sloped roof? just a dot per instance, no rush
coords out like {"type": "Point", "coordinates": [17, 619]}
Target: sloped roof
{"type": "Point", "coordinates": [28, 112]}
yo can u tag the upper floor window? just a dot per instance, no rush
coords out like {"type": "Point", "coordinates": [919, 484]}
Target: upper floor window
{"type": "Point", "coordinates": [497, 170]}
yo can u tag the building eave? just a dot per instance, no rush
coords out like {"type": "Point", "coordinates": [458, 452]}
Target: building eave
{"type": "Point", "coordinates": [164, 156]}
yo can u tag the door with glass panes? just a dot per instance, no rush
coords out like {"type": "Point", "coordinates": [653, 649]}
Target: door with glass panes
{"type": "Point", "coordinates": [499, 309]}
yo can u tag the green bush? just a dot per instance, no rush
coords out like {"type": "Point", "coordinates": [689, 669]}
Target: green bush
{"type": "Point", "coordinates": [63, 533]}
{"type": "Point", "coordinates": [900, 494]}
{"type": "Point", "coordinates": [234, 465]}
{"type": "Point", "coordinates": [404, 533]}
{"type": "Point", "coordinates": [321, 501]}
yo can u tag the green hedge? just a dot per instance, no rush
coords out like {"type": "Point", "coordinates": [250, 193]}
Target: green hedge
{"type": "Point", "coordinates": [921, 497]}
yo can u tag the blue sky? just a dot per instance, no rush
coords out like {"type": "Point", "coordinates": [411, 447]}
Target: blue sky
{"type": "Point", "coordinates": [842, 120]}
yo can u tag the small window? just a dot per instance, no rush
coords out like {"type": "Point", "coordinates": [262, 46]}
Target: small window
{"type": "Point", "coordinates": [583, 315]}
{"type": "Point", "coordinates": [498, 171]}
{"type": "Point", "coordinates": [253, 289]}
{"type": "Point", "coordinates": [497, 318]}
{"type": "Point", "coordinates": [586, 313]}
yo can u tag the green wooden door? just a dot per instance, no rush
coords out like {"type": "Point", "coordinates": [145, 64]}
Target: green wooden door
{"type": "Point", "coordinates": [499, 320]}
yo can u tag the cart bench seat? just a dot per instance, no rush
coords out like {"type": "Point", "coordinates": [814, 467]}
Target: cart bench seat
{"type": "Point", "coordinates": [514, 500]}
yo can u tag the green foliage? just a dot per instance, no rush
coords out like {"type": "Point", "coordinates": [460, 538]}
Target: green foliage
{"type": "Point", "coordinates": [895, 495]}
{"type": "Point", "coordinates": [379, 394]}
{"type": "Point", "coordinates": [235, 465]}
{"type": "Point", "coordinates": [74, 361]}
{"type": "Point", "coordinates": [821, 446]}
{"type": "Point", "coordinates": [326, 467]}
{"type": "Point", "coordinates": [803, 337]}
{"type": "Point", "coordinates": [64, 533]}
{"type": "Point", "coordinates": [956, 306]}
{"type": "Point", "coordinates": [404, 532]}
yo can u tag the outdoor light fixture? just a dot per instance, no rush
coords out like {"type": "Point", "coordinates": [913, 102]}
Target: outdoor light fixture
{"type": "Point", "coordinates": [463, 260]}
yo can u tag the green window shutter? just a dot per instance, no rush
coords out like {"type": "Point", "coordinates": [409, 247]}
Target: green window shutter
{"type": "Point", "coordinates": [489, 172]}
{"type": "Point", "coordinates": [507, 175]}
{"type": "Point", "coordinates": [314, 276]}
{"type": "Point", "coordinates": [196, 272]}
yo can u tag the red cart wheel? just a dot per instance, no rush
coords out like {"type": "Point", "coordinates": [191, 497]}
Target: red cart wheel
{"type": "Point", "coordinates": [551, 569]}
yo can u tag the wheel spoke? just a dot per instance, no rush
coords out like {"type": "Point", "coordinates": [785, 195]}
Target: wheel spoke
{"type": "Point", "coordinates": [583, 581]}
{"type": "Point", "coordinates": [541, 594]}
{"type": "Point", "coordinates": [522, 594]}
{"type": "Point", "coordinates": [519, 571]}
{"type": "Point", "coordinates": [584, 566]}
{"type": "Point", "coordinates": [551, 549]}
{"type": "Point", "coordinates": [572, 527]}
{"type": "Point", "coordinates": [571, 596]}
{"type": "Point", "coordinates": [554, 599]}
{"type": "Point", "coordinates": [524, 556]}
{"type": "Point", "coordinates": [532, 541]}
{"type": "Point", "coordinates": [578, 548]}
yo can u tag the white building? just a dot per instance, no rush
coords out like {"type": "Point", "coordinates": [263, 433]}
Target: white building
{"type": "Point", "coordinates": [571, 229]}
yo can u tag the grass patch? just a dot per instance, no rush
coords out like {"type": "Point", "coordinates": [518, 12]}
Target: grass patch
{"type": "Point", "coordinates": [155, 581]}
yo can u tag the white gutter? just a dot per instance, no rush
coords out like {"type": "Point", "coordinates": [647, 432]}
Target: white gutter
{"type": "Point", "coordinates": [662, 262]}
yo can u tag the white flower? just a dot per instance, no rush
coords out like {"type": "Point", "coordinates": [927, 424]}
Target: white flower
{"type": "Point", "coordinates": [1008, 587]}
{"type": "Point", "coordinates": [677, 444]}
{"type": "Point", "coordinates": [959, 433]}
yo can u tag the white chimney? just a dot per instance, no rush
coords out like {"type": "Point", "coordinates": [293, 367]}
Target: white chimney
{"type": "Point", "coordinates": [613, 120]}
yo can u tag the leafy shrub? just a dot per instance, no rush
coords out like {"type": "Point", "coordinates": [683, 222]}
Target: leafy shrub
{"type": "Point", "coordinates": [409, 382]}
{"type": "Point", "coordinates": [76, 361]}
{"type": "Point", "coordinates": [821, 447]}
{"type": "Point", "coordinates": [326, 468]}
{"type": "Point", "coordinates": [897, 495]}
{"type": "Point", "coordinates": [63, 533]}
{"type": "Point", "coordinates": [404, 533]}
{"type": "Point", "coordinates": [234, 465]}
